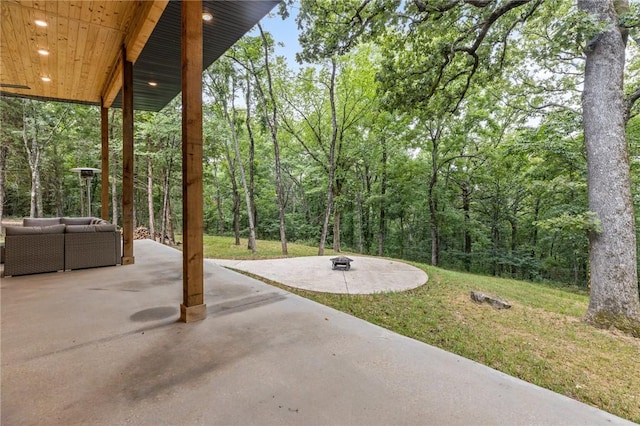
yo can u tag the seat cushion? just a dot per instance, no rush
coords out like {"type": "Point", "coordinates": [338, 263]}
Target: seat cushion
{"type": "Point", "coordinates": [76, 229]}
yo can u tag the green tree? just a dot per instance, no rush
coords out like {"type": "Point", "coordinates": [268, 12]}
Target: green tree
{"type": "Point", "coordinates": [255, 56]}
{"type": "Point", "coordinates": [614, 284]}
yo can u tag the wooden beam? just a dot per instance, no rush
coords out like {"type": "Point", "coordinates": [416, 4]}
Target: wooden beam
{"type": "Point", "coordinates": [114, 83]}
{"type": "Point", "coordinates": [127, 160]}
{"type": "Point", "coordinates": [138, 34]}
{"type": "Point", "coordinates": [104, 133]}
{"type": "Point", "coordinates": [148, 16]}
{"type": "Point", "coordinates": [193, 307]}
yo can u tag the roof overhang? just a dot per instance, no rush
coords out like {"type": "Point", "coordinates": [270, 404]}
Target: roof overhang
{"type": "Point", "coordinates": [84, 41]}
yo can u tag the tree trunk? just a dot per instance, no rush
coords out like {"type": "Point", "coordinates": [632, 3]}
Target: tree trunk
{"type": "Point", "coordinates": [496, 241]}
{"type": "Point", "coordinates": [280, 196]}
{"type": "Point", "coordinates": [36, 193]}
{"type": "Point", "coordinates": [332, 159]}
{"type": "Point", "coordinates": [114, 194]}
{"type": "Point", "coordinates": [33, 154]}
{"type": "Point", "coordinates": [4, 151]}
{"type": "Point", "coordinates": [234, 135]}
{"type": "Point", "coordinates": [34, 147]}
{"type": "Point", "coordinates": [433, 203]}
{"type": "Point", "coordinates": [231, 166]}
{"type": "Point", "coordinates": [152, 227]}
{"type": "Point", "coordinates": [367, 228]}
{"type": "Point", "coordinates": [58, 180]}
{"type": "Point", "coordinates": [466, 208]}
{"type": "Point", "coordinates": [216, 183]}
{"type": "Point", "coordinates": [336, 230]}
{"type": "Point", "coordinates": [534, 236]}
{"type": "Point", "coordinates": [165, 206]}
{"type": "Point", "coordinates": [433, 223]}
{"type": "Point", "coordinates": [236, 213]}
{"type": "Point", "coordinates": [327, 214]}
{"type": "Point", "coordinates": [383, 202]}
{"type": "Point", "coordinates": [337, 215]}
{"type": "Point", "coordinates": [170, 229]}
{"type": "Point", "coordinates": [273, 128]}
{"type": "Point", "coordinates": [514, 239]}
{"type": "Point", "coordinates": [252, 162]}
{"type": "Point", "coordinates": [435, 244]}
{"type": "Point", "coordinates": [614, 276]}
{"type": "Point", "coordinates": [359, 207]}
{"type": "Point", "coordinates": [402, 251]}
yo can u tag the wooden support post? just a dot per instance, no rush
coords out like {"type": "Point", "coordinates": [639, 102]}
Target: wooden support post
{"type": "Point", "coordinates": [104, 131]}
{"type": "Point", "coordinates": [127, 160]}
{"type": "Point", "coordinates": [193, 307]}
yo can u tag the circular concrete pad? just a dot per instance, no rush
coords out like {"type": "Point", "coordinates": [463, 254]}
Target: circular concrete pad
{"type": "Point", "coordinates": [367, 274]}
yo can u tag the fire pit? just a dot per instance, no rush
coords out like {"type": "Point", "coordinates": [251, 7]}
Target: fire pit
{"type": "Point", "coordinates": [341, 262]}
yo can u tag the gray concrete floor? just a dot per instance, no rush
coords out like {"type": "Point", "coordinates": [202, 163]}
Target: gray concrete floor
{"type": "Point", "coordinates": [103, 347]}
{"type": "Point", "coordinates": [367, 274]}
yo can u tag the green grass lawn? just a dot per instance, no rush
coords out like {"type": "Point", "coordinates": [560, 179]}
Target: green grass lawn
{"type": "Point", "coordinates": [225, 248]}
{"type": "Point", "coordinates": [541, 339]}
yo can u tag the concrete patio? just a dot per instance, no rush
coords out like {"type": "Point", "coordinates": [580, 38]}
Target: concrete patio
{"type": "Point", "coordinates": [367, 275]}
{"type": "Point", "coordinates": [103, 347]}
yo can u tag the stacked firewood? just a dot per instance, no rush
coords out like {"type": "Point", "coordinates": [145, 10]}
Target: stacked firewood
{"type": "Point", "coordinates": [141, 233]}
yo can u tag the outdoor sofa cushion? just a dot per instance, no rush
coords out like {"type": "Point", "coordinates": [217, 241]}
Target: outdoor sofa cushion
{"type": "Point", "coordinates": [76, 220]}
{"type": "Point", "coordinates": [41, 221]}
{"type": "Point", "coordinates": [34, 230]}
{"type": "Point", "coordinates": [75, 229]}
{"type": "Point", "coordinates": [48, 221]}
{"type": "Point", "coordinates": [105, 227]}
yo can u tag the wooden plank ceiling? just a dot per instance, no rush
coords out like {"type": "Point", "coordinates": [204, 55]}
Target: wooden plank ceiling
{"type": "Point", "coordinates": [83, 39]}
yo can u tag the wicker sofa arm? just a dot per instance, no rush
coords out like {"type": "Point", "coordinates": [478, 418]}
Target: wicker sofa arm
{"type": "Point", "coordinates": [32, 254]}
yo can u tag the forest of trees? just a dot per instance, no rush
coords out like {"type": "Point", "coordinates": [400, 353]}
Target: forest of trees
{"type": "Point", "coordinates": [455, 140]}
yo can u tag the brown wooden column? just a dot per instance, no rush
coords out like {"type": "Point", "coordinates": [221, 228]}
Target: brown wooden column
{"type": "Point", "coordinates": [104, 132]}
{"type": "Point", "coordinates": [127, 160]}
{"type": "Point", "coordinates": [192, 307]}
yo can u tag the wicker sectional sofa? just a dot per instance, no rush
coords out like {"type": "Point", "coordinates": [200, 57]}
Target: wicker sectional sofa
{"type": "Point", "coordinates": [57, 244]}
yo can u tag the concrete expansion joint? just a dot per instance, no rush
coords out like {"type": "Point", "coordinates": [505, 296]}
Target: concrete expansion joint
{"type": "Point", "coordinates": [346, 284]}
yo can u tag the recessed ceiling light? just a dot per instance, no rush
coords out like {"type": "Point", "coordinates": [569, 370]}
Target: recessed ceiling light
{"type": "Point", "coordinates": [40, 23]}
{"type": "Point", "coordinates": [153, 83]}
{"type": "Point", "coordinates": [22, 86]}
{"type": "Point", "coordinates": [46, 79]}
{"type": "Point", "coordinates": [207, 17]}
{"type": "Point", "coordinates": [43, 52]}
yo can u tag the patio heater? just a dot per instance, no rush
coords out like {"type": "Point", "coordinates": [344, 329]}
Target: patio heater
{"type": "Point", "coordinates": [87, 173]}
